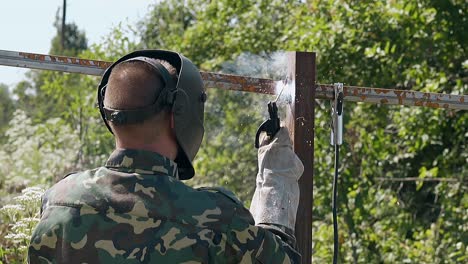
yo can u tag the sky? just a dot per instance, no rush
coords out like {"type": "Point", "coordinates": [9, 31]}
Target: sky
{"type": "Point", "coordinates": [27, 25]}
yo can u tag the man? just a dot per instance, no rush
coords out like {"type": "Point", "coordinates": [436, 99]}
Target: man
{"type": "Point", "coordinates": [135, 209]}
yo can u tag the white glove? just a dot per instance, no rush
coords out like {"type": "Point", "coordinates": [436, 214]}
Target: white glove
{"type": "Point", "coordinates": [276, 197]}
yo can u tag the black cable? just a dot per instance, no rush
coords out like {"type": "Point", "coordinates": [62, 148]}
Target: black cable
{"type": "Point", "coordinates": [335, 222]}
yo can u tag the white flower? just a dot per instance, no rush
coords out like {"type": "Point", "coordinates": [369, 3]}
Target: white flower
{"type": "Point", "coordinates": [12, 207]}
{"type": "Point", "coordinates": [19, 226]}
{"type": "Point", "coordinates": [18, 238]}
{"type": "Point", "coordinates": [30, 220]}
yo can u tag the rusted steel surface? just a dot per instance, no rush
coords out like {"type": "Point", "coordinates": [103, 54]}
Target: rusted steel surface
{"type": "Point", "coordinates": [238, 83]}
{"type": "Point", "coordinates": [96, 67]}
{"type": "Point", "coordinates": [302, 70]}
{"type": "Point", "coordinates": [415, 179]}
{"type": "Point", "coordinates": [395, 97]}
{"type": "Point", "coordinates": [51, 62]}
{"type": "Point", "coordinates": [243, 83]}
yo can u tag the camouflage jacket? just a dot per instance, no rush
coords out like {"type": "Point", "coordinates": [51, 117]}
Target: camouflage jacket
{"type": "Point", "coordinates": [134, 210]}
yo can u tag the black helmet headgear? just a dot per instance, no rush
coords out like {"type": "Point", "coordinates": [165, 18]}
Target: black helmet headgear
{"type": "Point", "coordinates": [185, 97]}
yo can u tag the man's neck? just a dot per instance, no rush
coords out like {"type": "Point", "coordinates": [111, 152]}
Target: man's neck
{"type": "Point", "coordinates": [166, 148]}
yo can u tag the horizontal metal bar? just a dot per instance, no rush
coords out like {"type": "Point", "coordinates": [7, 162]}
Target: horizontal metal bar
{"type": "Point", "coordinates": [410, 179]}
{"type": "Point", "coordinates": [238, 83]}
{"type": "Point", "coordinates": [245, 84]}
{"type": "Point", "coordinates": [395, 97]}
{"type": "Point", "coordinates": [51, 62]}
{"type": "Point", "coordinates": [97, 68]}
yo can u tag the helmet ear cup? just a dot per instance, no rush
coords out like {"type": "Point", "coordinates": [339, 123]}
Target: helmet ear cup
{"type": "Point", "coordinates": [181, 103]}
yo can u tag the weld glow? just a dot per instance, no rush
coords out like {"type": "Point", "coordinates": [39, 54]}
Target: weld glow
{"type": "Point", "coordinates": [288, 94]}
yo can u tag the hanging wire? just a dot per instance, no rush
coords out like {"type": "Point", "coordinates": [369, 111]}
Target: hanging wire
{"type": "Point", "coordinates": [334, 211]}
{"type": "Point", "coordinates": [336, 139]}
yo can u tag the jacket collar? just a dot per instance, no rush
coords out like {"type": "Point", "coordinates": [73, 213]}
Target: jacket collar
{"type": "Point", "coordinates": [141, 161]}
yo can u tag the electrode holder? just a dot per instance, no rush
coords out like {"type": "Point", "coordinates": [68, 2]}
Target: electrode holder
{"type": "Point", "coordinates": [336, 136]}
{"type": "Point", "coordinates": [270, 126]}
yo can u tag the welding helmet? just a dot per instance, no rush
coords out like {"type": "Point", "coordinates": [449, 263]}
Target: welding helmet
{"type": "Point", "coordinates": [185, 97]}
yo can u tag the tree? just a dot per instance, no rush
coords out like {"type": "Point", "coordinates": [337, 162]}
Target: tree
{"type": "Point", "coordinates": [418, 45]}
{"type": "Point", "coordinates": [74, 40]}
{"type": "Point", "coordinates": [6, 108]}
{"type": "Point", "coordinates": [200, 29]}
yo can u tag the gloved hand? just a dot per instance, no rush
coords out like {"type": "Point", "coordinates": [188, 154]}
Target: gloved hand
{"type": "Point", "coordinates": [276, 196]}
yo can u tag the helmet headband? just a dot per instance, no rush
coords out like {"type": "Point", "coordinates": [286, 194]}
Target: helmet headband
{"type": "Point", "coordinates": [131, 116]}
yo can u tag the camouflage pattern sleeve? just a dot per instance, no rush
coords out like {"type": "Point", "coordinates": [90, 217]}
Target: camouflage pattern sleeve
{"type": "Point", "coordinates": [255, 244]}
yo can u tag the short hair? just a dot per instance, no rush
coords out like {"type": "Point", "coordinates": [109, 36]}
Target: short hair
{"type": "Point", "coordinates": [135, 84]}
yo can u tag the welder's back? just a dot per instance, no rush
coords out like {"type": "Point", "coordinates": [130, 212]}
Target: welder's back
{"type": "Point", "coordinates": [135, 210]}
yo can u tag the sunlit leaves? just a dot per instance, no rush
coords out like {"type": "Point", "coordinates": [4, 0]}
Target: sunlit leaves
{"type": "Point", "coordinates": [415, 45]}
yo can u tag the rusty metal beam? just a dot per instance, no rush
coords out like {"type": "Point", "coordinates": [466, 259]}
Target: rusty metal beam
{"type": "Point", "coordinates": [242, 83]}
{"type": "Point", "coordinates": [415, 179]}
{"type": "Point", "coordinates": [395, 97]}
{"type": "Point", "coordinates": [97, 68]}
{"type": "Point", "coordinates": [300, 121]}
{"type": "Point", "coordinates": [51, 62]}
{"type": "Point", "coordinates": [238, 83]}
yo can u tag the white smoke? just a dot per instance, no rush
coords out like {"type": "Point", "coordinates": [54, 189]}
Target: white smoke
{"type": "Point", "coordinates": [271, 65]}
{"type": "Point", "coordinates": [266, 65]}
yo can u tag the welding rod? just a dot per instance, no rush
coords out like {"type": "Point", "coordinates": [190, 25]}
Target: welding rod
{"type": "Point", "coordinates": [245, 84]}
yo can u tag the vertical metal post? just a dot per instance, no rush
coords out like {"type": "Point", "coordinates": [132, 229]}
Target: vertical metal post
{"type": "Point", "coordinates": [302, 70]}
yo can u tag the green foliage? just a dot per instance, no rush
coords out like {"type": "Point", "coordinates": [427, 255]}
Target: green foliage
{"type": "Point", "coordinates": [201, 31]}
{"type": "Point", "coordinates": [227, 156]}
{"type": "Point", "coordinates": [72, 97]}
{"type": "Point", "coordinates": [115, 45]}
{"type": "Point", "coordinates": [417, 45]}
{"type": "Point", "coordinates": [34, 95]}
{"type": "Point", "coordinates": [36, 153]}
{"type": "Point", "coordinates": [56, 130]}
{"type": "Point", "coordinates": [211, 33]}
{"type": "Point", "coordinates": [74, 39]}
{"type": "Point", "coordinates": [7, 107]}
